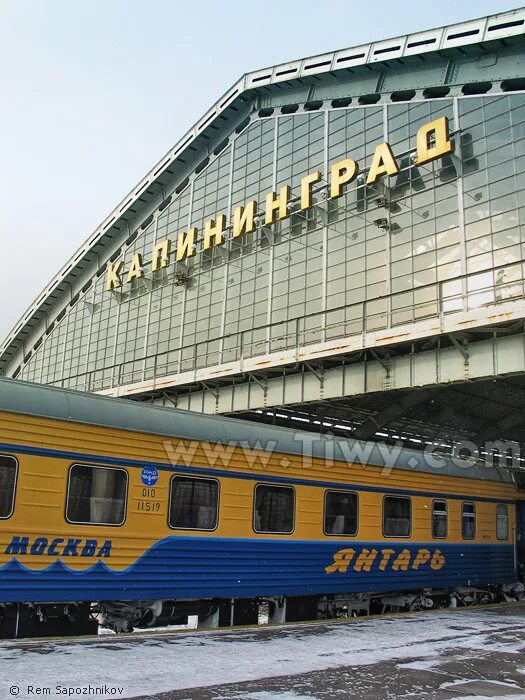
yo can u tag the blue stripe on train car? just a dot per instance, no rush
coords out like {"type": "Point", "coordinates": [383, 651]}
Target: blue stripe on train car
{"type": "Point", "coordinates": [209, 567]}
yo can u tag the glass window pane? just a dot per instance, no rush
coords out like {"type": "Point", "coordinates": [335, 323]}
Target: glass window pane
{"type": "Point", "coordinates": [96, 495]}
{"type": "Point", "coordinates": [396, 516]}
{"type": "Point", "coordinates": [439, 519]}
{"type": "Point", "coordinates": [274, 509]}
{"type": "Point", "coordinates": [502, 522]}
{"type": "Point", "coordinates": [340, 513]}
{"type": "Point", "coordinates": [468, 521]}
{"type": "Point", "coordinates": [194, 503]}
{"type": "Point", "coordinates": [8, 468]}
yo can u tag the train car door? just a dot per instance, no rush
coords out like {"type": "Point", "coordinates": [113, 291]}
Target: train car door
{"type": "Point", "coordinates": [520, 538]}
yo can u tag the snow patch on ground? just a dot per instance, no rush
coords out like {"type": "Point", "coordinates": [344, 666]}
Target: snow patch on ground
{"type": "Point", "coordinates": [155, 663]}
{"type": "Point", "coordinates": [269, 695]}
{"type": "Point", "coordinates": [193, 621]}
{"type": "Point", "coordinates": [509, 688]}
{"type": "Point", "coordinates": [463, 681]}
{"type": "Point", "coordinates": [422, 665]}
{"type": "Point", "coordinates": [484, 697]}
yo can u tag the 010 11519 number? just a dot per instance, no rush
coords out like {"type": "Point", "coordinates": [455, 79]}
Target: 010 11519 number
{"type": "Point", "coordinates": [150, 505]}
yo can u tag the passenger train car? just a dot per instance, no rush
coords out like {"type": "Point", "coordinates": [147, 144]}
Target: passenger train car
{"type": "Point", "coordinates": [133, 515]}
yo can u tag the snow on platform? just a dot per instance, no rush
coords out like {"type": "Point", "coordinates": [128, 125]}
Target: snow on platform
{"type": "Point", "coordinates": [443, 654]}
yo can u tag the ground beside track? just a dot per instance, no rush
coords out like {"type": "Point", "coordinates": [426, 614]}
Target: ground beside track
{"type": "Point", "coordinates": [449, 654]}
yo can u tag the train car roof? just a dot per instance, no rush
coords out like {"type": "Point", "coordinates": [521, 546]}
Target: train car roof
{"type": "Point", "coordinates": [63, 404]}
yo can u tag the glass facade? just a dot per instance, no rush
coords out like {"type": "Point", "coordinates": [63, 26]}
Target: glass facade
{"type": "Point", "coordinates": [443, 238]}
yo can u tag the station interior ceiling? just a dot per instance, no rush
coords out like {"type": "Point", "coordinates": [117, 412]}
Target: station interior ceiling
{"type": "Point", "coordinates": [471, 413]}
{"type": "Point", "coordinates": [460, 417]}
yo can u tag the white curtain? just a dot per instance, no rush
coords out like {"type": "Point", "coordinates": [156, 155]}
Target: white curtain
{"type": "Point", "coordinates": [102, 503]}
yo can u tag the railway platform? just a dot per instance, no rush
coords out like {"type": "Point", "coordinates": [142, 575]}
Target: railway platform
{"type": "Point", "coordinates": [440, 655]}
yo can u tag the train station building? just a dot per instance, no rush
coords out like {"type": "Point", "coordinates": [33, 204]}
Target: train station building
{"type": "Point", "coordinates": [339, 243]}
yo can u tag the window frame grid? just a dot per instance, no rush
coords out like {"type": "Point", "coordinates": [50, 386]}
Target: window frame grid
{"type": "Point", "coordinates": [469, 516]}
{"type": "Point", "coordinates": [443, 512]}
{"type": "Point", "coordinates": [254, 500]}
{"type": "Point", "coordinates": [97, 524]}
{"type": "Point", "coordinates": [217, 507]}
{"type": "Point", "coordinates": [15, 484]}
{"type": "Point", "coordinates": [507, 529]}
{"type": "Point", "coordinates": [352, 493]}
{"type": "Point", "coordinates": [404, 498]}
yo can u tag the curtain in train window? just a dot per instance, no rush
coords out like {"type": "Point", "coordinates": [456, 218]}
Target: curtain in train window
{"type": "Point", "coordinates": [8, 467]}
{"type": "Point", "coordinates": [340, 513]}
{"type": "Point", "coordinates": [194, 503]}
{"type": "Point", "coordinates": [96, 495]}
{"type": "Point", "coordinates": [439, 519]}
{"type": "Point", "coordinates": [274, 509]}
{"type": "Point", "coordinates": [396, 516]}
{"type": "Point", "coordinates": [502, 522]}
{"type": "Point", "coordinates": [468, 521]}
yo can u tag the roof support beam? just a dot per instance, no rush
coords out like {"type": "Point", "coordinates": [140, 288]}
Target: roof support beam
{"type": "Point", "coordinates": [462, 348]}
{"type": "Point", "coordinates": [497, 431]}
{"type": "Point", "coordinates": [390, 413]}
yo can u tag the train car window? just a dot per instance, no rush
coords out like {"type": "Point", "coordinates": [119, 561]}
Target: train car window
{"type": "Point", "coordinates": [502, 522]}
{"type": "Point", "coordinates": [96, 495]}
{"type": "Point", "coordinates": [8, 472]}
{"type": "Point", "coordinates": [340, 513]}
{"type": "Point", "coordinates": [468, 521]}
{"type": "Point", "coordinates": [194, 503]}
{"type": "Point", "coordinates": [274, 509]}
{"type": "Point", "coordinates": [397, 516]}
{"type": "Point", "coordinates": [439, 519]}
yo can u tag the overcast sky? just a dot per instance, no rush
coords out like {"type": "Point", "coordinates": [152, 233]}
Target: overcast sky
{"type": "Point", "coordinates": [94, 92]}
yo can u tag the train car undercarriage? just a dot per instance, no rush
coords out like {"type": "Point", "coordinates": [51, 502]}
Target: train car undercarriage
{"type": "Point", "coordinates": [23, 620]}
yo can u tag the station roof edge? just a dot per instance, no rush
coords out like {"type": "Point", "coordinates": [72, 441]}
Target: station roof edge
{"type": "Point", "coordinates": [41, 401]}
